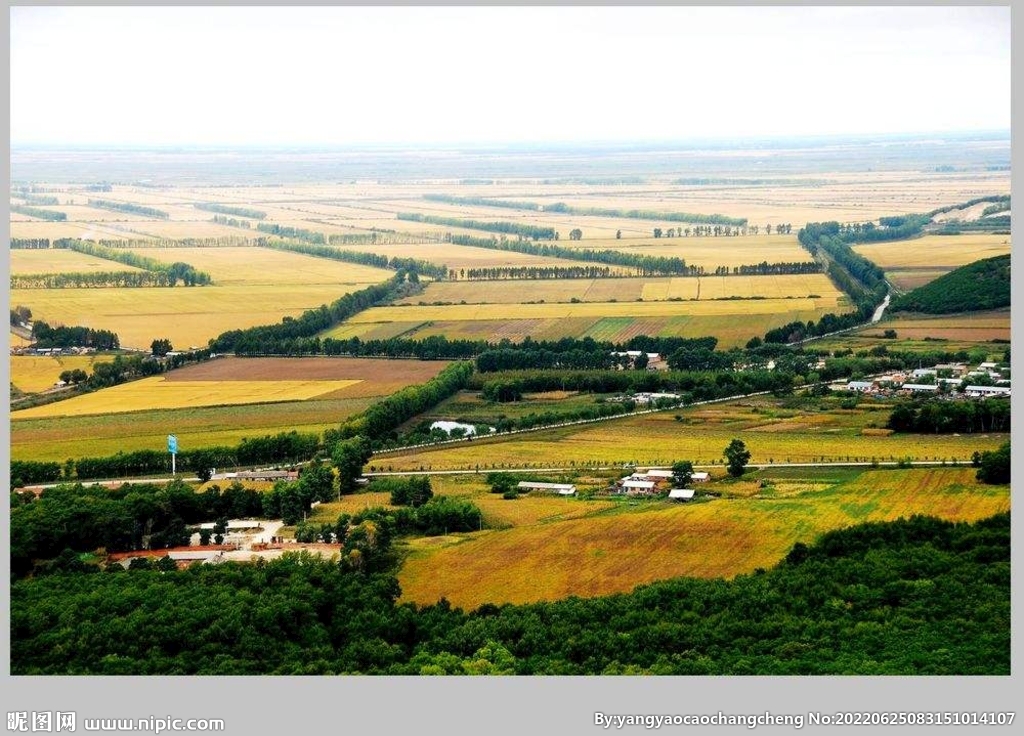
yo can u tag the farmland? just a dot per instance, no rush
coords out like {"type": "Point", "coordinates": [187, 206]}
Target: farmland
{"type": "Point", "coordinates": [33, 373]}
{"type": "Point", "coordinates": [334, 388]}
{"type": "Point", "coordinates": [771, 432]}
{"type": "Point", "coordinates": [936, 251]}
{"type": "Point", "coordinates": [975, 330]}
{"type": "Point", "coordinates": [61, 261]}
{"type": "Point", "coordinates": [626, 289]}
{"type": "Point", "coordinates": [616, 321]}
{"type": "Point", "coordinates": [547, 557]}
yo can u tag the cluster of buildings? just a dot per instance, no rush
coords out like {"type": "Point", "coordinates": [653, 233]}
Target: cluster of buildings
{"type": "Point", "coordinates": [32, 350]}
{"type": "Point", "coordinates": [953, 380]}
{"type": "Point", "coordinates": [653, 481]}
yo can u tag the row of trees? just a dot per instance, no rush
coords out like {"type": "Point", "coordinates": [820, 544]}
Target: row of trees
{"type": "Point", "coordinates": [378, 236]}
{"type": "Point", "coordinates": [73, 336]}
{"type": "Point", "coordinates": [94, 279]}
{"type": "Point", "coordinates": [134, 209]}
{"type": "Point", "coordinates": [297, 233]}
{"type": "Point", "coordinates": [872, 599]}
{"type": "Point", "coordinates": [497, 273]}
{"type": "Point", "coordinates": [533, 232]}
{"type": "Point", "coordinates": [563, 208]}
{"type": "Point", "coordinates": [413, 266]}
{"type": "Point", "coordinates": [297, 335]}
{"type": "Point", "coordinates": [690, 385]}
{"type": "Point", "coordinates": [642, 265]}
{"type": "Point", "coordinates": [52, 215]}
{"type": "Point", "coordinates": [172, 272]}
{"type": "Point", "coordinates": [40, 200]}
{"type": "Point", "coordinates": [30, 243]}
{"type": "Point", "coordinates": [946, 417]}
{"type": "Point", "coordinates": [227, 209]}
{"type": "Point", "coordinates": [232, 222]}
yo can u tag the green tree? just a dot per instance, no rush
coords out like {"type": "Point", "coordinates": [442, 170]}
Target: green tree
{"type": "Point", "coordinates": [682, 473]}
{"type": "Point", "coordinates": [161, 347]}
{"type": "Point", "coordinates": [349, 457]}
{"type": "Point", "coordinates": [995, 465]}
{"type": "Point", "coordinates": [317, 481]}
{"type": "Point", "coordinates": [738, 456]}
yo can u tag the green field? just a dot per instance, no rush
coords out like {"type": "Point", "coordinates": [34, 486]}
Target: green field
{"type": "Point", "coordinates": [772, 433]}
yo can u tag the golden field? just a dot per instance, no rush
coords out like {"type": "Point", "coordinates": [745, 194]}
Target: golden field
{"type": "Point", "coordinates": [185, 316]}
{"type": "Point", "coordinates": [267, 267]}
{"type": "Point", "coordinates": [610, 552]}
{"type": "Point", "coordinates": [156, 392]}
{"type": "Point", "coordinates": [936, 251]}
{"type": "Point", "coordinates": [34, 373]}
{"type": "Point", "coordinates": [363, 381]}
{"type": "Point", "coordinates": [52, 260]}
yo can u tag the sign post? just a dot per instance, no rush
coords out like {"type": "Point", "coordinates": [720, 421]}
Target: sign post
{"type": "Point", "coordinates": [172, 447]}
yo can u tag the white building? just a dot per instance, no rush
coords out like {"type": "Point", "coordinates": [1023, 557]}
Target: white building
{"type": "Point", "coordinates": [562, 489]}
{"type": "Point", "coordinates": [700, 477]}
{"type": "Point", "coordinates": [681, 494]}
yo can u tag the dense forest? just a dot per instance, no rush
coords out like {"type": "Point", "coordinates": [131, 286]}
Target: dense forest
{"type": "Point", "coordinates": [910, 597]}
{"type": "Point", "coordinates": [977, 286]}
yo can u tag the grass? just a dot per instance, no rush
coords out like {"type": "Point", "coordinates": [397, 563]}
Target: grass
{"type": "Point", "coordinates": [612, 550]}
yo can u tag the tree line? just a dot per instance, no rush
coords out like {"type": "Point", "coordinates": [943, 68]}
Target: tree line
{"type": "Point", "coordinates": [52, 215]}
{"type": "Point", "coordinates": [533, 232]}
{"type": "Point", "coordinates": [413, 266]}
{"type": "Point", "coordinates": [29, 243]}
{"type": "Point", "coordinates": [872, 599]}
{"type": "Point", "coordinates": [946, 417]}
{"type": "Point", "coordinates": [172, 272]}
{"type": "Point", "coordinates": [563, 208]}
{"type": "Point", "coordinates": [72, 336]}
{"type": "Point", "coordinates": [298, 233]}
{"type": "Point", "coordinates": [297, 335]}
{"type": "Point", "coordinates": [135, 209]}
{"type": "Point", "coordinates": [499, 273]}
{"type": "Point", "coordinates": [93, 279]}
{"type": "Point", "coordinates": [690, 385]}
{"type": "Point", "coordinates": [40, 200]}
{"type": "Point", "coordinates": [642, 265]}
{"type": "Point", "coordinates": [226, 209]}
{"type": "Point", "coordinates": [232, 222]}
{"type": "Point", "coordinates": [378, 236]}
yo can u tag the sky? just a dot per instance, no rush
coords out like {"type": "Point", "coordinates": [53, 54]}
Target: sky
{"type": "Point", "coordinates": [403, 75]}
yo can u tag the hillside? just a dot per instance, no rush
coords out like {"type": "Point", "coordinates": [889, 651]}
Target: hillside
{"type": "Point", "coordinates": [980, 285]}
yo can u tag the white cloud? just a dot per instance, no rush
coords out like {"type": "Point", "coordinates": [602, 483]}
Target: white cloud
{"type": "Point", "coordinates": [337, 75]}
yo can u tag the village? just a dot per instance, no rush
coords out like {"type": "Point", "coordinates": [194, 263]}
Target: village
{"type": "Point", "coordinates": [945, 380]}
